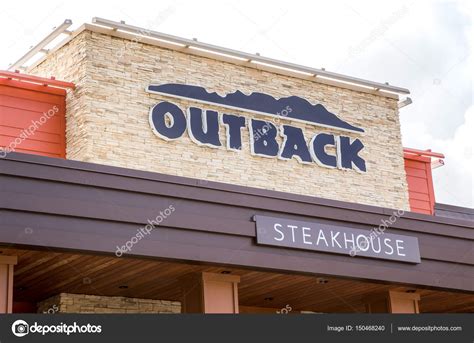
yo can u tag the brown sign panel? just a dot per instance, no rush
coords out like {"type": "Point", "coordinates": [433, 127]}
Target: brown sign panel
{"type": "Point", "coordinates": [336, 239]}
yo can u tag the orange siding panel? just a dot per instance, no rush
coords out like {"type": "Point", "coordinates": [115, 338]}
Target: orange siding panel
{"type": "Point", "coordinates": [415, 164]}
{"type": "Point", "coordinates": [420, 184]}
{"type": "Point", "coordinates": [32, 118]}
{"type": "Point", "coordinates": [415, 172]}
{"type": "Point", "coordinates": [419, 196]}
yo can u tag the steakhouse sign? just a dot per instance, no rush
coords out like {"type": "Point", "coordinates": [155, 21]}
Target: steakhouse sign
{"type": "Point", "coordinates": [335, 239]}
{"type": "Point", "coordinates": [169, 122]}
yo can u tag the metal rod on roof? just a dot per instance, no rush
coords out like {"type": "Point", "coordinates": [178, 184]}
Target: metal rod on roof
{"type": "Point", "coordinates": [427, 153]}
{"type": "Point", "coordinates": [40, 46]}
{"type": "Point", "coordinates": [249, 57]}
{"type": "Point", "coordinates": [36, 79]}
{"type": "Point", "coordinates": [405, 102]}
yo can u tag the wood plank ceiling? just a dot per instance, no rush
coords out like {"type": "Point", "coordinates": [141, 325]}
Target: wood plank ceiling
{"type": "Point", "coordinates": [41, 274]}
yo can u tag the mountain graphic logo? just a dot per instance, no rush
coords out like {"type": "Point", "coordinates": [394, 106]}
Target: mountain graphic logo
{"type": "Point", "coordinates": [301, 109]}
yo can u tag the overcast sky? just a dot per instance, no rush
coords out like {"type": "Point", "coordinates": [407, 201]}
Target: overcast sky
{"type": "Point", "coordinates": [424, 46]}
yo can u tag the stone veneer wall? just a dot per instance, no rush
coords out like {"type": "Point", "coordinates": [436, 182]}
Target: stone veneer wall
{"type": "Point", "coordinates": [82, 303]}
{"type": "Point", "coordinates": [107, 121]}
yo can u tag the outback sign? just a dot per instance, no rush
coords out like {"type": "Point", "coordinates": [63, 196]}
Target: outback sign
{"type": "Point", "coordinates": [169, 122]}
{"type": "Point", "coordinates": [336, 239]}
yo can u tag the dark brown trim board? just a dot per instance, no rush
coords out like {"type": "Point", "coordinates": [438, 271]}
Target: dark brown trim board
{"type": "Point", "coordinates": [450, 211]}
{"type": "Point", "coordinates": [79, 206]}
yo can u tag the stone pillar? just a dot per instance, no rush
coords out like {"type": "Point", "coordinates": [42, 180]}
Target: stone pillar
{"type": "Point", "coordinates": [393, 302]}
{"type": "Point", "coordinates": [6, 283]}
{"type": "Point", "coordinates": [210, 293]}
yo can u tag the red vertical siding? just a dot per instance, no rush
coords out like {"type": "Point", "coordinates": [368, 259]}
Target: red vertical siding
{"type": "Point", "coordinates": [32, 117]}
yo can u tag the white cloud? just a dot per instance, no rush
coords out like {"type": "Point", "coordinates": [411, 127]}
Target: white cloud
{"type": "Point", "coordinates": [453, 182]}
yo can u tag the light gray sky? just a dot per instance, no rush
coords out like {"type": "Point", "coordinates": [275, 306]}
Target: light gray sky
{"type": "Point", "coordinates": [424, 46]}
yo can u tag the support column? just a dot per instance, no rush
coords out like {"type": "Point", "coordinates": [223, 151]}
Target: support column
{"type": "Point", "coordinates": [6, 283]}
{"type": "Point", "coordinates": [393, 302]}
{"type": "Point", "coordinates": [211, 293]}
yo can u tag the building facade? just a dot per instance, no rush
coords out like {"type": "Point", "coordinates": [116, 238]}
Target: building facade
{"type": "Point", "coordinates": [177, 177]}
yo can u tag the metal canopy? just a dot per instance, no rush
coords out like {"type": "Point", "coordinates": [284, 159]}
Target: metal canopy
{"type": "Point", "coordinates": [246, 57]}
{"type": "Point", "coordinates": [192, 46]}
{"type": "Point", "coordinates": [39, 48]}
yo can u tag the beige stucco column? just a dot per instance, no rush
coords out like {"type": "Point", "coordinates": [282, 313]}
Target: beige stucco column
{"type": "Point", "coordinates": [6, 283]}
{"type": "Point", "coordinates": [210, 293]}
{"type": "Point", "coordinates": [393, 302]}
